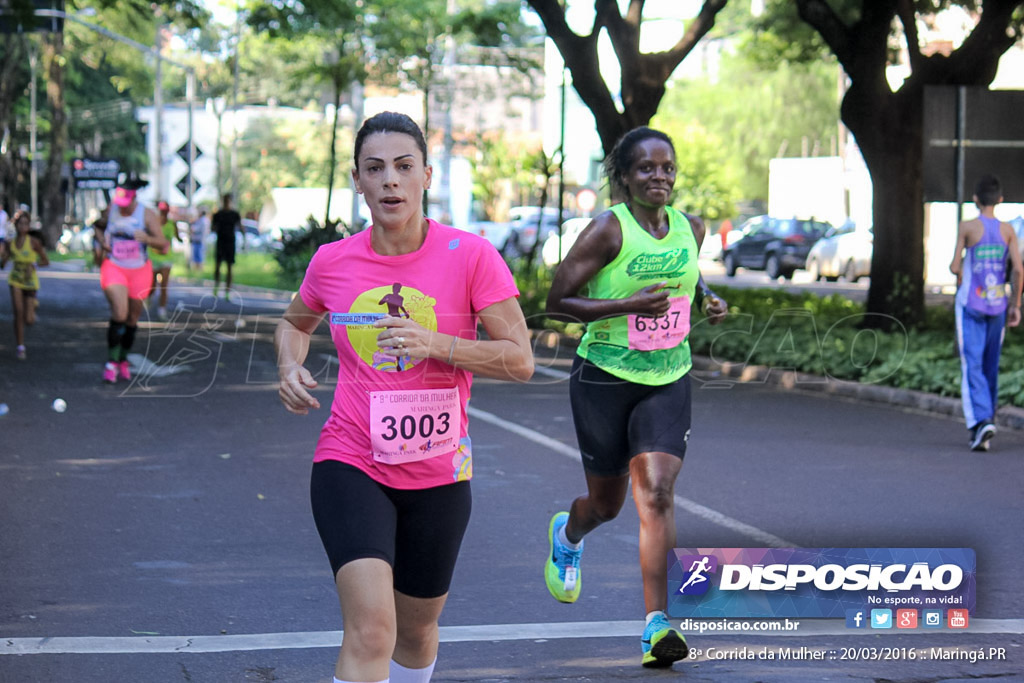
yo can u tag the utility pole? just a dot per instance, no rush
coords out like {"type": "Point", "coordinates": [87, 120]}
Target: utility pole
{"type": "Point", "coordinates": [33, 62]}
{"type": "Point", "coordinates": [158, 117]}
{"type": "Point", "coordinates": [234, 105]}
{"type": "Point", "coordinates": [449, 142]}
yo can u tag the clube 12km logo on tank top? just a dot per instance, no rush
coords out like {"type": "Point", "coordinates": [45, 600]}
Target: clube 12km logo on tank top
{"type": "Point", "coordinates": [412, 424]}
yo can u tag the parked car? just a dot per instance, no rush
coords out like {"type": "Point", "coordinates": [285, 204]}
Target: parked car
{"type": "Point", "coordinates": [777, 246]}
{"type": "Point", "coordinates": [844, 251]}
{"type": "Point", "coordinates": [571, 229]}
{"type": "Point", "coordinates": [523, 228]}
{"type": "Point", "coordinates": [495, 233]}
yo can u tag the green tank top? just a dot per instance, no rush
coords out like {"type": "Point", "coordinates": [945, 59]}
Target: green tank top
{"type": "Point", "coordinates": [640, 349]}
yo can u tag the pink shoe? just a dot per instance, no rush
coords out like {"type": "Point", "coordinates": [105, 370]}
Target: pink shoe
{"type": "Point", "coordinates": [110, 373]}
{"type": "Point", "coordinates": [124, 369]}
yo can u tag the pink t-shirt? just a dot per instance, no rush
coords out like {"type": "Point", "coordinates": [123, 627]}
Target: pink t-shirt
{"type": "Point", "coordinates": [402, 420]}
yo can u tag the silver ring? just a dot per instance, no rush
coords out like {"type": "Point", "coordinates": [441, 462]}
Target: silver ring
{"type": "Point", "coordinates": [401, 342]}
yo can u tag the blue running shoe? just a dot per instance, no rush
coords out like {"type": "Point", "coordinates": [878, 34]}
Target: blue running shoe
{"type": "Point", "coordinates": [662, 644]}
{"type": "Point", "coordinates": [562, 570]}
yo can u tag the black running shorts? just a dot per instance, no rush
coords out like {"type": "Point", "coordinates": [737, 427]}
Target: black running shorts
{"type": "Point", "coordinates": [225, 250]}
{"type": "Point", "coordinates": [617, 420]}
{"type": "Point", "coordinates": [418, 532]}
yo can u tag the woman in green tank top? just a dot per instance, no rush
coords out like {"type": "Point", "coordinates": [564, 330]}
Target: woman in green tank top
{"type": "Point", "coordinates": [632, 277]}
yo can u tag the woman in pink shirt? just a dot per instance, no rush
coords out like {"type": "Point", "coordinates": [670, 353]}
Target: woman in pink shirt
{"type": "Point", "coordinates": [390, 480]}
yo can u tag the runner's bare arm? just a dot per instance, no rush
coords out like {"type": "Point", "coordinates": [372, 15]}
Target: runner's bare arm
{"type": "Point", "coordinates": [291, 340]}
{"type": "Point", "coordinates": [1013, 315]}
{"type": "Point", "coordinates": [37, 246]}
{"type": "Point", "coordinates": [152, 235]}
{"type": "Point", "coordinates": [713, 306]}
{"type": "Point", "coordinates": [596, 247]}
{"type": "Point", "coordinates": [506, 354]}
{"type": "Point", "coordinates": [958, 252]}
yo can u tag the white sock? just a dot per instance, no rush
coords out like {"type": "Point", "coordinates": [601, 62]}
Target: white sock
{"type": "Point", "coordinates": [564, 540]}
{"type": "Point", "coordinates": [338, 680]}
{"type": "Point", "coordinates": [653, 614]}
{"type": "Point", "coordinates": [400, 674]}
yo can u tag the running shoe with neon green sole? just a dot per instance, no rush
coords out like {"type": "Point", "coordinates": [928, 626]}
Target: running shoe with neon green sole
{"type": "Point", "coordinates": [661, 644]}
{"type": "Point", "coordinates": [562, 570]}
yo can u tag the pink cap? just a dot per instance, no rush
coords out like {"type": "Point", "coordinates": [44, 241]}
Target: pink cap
{"type": "Point", "coordinates": [123, 196]}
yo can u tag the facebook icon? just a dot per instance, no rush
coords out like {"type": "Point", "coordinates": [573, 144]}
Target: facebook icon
{"type": "Point", "coordinates": [855, 618]}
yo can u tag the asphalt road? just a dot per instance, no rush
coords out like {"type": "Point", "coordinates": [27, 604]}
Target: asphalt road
{"type": "Point", "coordinates": [160, 531]}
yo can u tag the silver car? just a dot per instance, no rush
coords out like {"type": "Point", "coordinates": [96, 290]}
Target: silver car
{"type": "Point", "coordinates": [843, 252]}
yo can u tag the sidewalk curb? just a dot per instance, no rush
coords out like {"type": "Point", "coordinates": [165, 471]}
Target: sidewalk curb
{"type": "Point", "coordinates": [1009, 417]}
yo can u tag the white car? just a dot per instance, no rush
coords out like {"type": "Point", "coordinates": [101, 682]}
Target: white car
{"type": "Point", "coordinates": [522, 229]}
{"type": "Point", "coordinates": [571, 229]}
{"type": "Point", "coordinates": [495, 233]}
{"type": "Point", "coordinates": [845, 251]}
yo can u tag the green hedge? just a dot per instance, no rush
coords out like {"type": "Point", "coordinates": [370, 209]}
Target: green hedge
{"type": "Point", "coordinates": [829, 336]}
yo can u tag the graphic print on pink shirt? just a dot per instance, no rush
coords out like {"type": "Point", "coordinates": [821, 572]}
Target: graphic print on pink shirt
{"type": "Point", "coordinates": [412, 304]}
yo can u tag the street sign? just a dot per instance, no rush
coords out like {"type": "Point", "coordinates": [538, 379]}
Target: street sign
{"type": "Point", "coordinates": [19, 16]}
{"type": "Point", "coordinates": [969, 132]}
{"type": "Point", "coordinates": [95, 174]}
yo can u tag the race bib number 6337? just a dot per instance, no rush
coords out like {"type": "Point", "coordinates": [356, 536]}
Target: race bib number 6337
{"type": "Point", "coordinates": [648, 333]}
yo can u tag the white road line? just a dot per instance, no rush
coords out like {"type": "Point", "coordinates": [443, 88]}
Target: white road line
{"type": "Point", "coordinates": [767, 539]}
{"type": "Point", "coordinates": [449, 634]}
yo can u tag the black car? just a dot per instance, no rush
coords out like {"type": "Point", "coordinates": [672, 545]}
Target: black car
{"type": "Point", "coordinates": [777, 246]}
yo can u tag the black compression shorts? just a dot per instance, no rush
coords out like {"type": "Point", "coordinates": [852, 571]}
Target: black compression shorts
{"type": "Point", "coordinates": [616, 419]}
{"type": "Point", "coordinates": [418, 532]}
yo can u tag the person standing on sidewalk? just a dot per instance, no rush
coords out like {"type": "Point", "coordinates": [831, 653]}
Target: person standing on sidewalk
{"type": "Point", "coordinates": [126, 274]}
{"type": "Point", "coordinates": [226, 222]}
{"type": "Point", "coordinates": [631, 276]}
{"type": "Point", "coordinates": [197, 231]}
{"type": "Point", "coordinates": [162, 265]}
{"type": "Point", "coordinates": [27, 252]}
{"type": "Point", "coordinates": [984, 247]}
{"type": "Point", "coordinates": [390, 481]}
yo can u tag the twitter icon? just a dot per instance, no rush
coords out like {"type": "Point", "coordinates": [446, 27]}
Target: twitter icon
{"type": "Point", "coordinates": [881, 618]}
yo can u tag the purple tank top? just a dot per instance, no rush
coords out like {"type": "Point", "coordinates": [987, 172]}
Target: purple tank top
{"type": "Point", "coordinates": [985, 271]}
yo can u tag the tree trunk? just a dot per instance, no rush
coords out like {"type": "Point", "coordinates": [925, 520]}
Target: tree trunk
{"type": "Point", "coordinates": [11, 86]}
{"type": "Point", "coordinates": [52, 194]}
{"type": "Point", "coordinates": [888, 128]}
{"type": "Point", "coordinates": [333, 156]}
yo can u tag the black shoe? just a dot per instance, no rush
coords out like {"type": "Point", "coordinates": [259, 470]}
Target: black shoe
{"type": "Point", "coordinates": [981, 435]}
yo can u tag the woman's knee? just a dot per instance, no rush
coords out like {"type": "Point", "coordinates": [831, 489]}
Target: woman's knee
{"type": "Point", "coordinates": [658, 498]}
{"type": "Point", "coordinates": [604, 509]}
{"type": "Point", "coordinates": [417, 637]}
{"type": "Point", "coordinates": [372, 636]}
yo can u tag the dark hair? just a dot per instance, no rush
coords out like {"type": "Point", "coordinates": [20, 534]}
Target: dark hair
{"type": "Point", "coordinates": [389, 122]}
{"type": "Point", "coordinates": [988, 190]}
{"type": "Point", "coordinates": [18, 215]}
{"type": "Point", "coordinates": [617, 163]}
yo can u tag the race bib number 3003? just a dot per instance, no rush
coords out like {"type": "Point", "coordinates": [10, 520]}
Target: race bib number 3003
{"type": "Point", "coordinates": [663, 332]}
{"type": "Point", "coordinates": [412, 425]}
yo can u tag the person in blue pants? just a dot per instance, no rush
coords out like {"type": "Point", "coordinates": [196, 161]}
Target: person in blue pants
{"type": "Point", "coordinates": [986, 258]}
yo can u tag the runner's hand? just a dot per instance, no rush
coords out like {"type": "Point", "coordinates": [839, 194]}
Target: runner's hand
{"type": "Point", "coordinates": [293, 390]}
{"type": "Point", "coordinates": [650, 301]}
{"type": "Point", "coordinates": [715, 308]}
{"type": "Point", "coordinates": [403, 337]}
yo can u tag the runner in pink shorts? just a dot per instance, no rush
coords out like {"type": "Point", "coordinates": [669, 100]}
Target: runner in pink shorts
{"type": "Point", "coordinates": [126, 274]}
